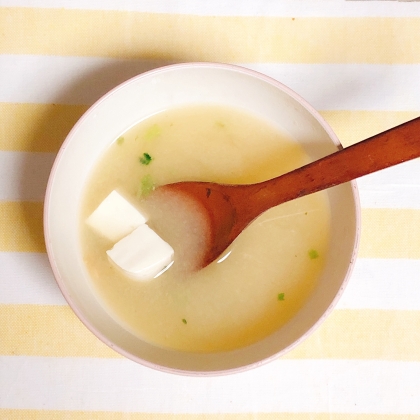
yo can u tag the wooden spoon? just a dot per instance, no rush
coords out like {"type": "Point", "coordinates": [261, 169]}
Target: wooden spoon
{"type": "Point", "coordinates": [230, 208]}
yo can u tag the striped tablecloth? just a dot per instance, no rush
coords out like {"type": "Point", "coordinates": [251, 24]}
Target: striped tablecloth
{"type": "Point", "coordinates": [357, 62]}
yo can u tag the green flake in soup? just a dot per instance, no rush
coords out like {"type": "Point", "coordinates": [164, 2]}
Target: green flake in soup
{"type": "Point", "coordinates": [313, 254]}
{"type": "Point", "coordinates": [146, 186]}
{"type": "Point", "coordinates": [145, 159]}
{"type": "Point", "coordinates": [152, 132]}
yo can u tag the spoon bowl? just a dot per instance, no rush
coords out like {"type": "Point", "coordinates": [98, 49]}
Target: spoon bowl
{"type": "Point", "coordinates": [229, 209]}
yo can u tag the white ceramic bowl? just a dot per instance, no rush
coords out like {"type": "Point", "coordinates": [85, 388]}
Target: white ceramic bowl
{"type": "Point", "coordinates": [143, 96]}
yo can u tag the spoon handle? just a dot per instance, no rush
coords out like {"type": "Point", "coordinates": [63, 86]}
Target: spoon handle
{"type": "Point", "coordinates": [381, 151]}
{"type": "Point", "coordinates": [386, 149]}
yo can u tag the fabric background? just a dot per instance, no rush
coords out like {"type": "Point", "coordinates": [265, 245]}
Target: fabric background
{"type": "Point", "coordinates": [357, 62]}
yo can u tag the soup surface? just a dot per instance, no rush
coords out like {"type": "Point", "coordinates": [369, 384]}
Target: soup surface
{"type": "Point", "coordinates": [264, 277]}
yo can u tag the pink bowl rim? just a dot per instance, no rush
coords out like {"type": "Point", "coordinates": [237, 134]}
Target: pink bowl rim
{"type": "Point", "coordinates": [49, 247]}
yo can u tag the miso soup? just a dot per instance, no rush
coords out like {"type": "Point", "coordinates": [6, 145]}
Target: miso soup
{"type": "Point", "coordinates": [263, 278]}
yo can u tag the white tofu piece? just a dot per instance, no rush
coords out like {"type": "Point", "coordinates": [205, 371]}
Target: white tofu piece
{"type": "Point", "coordinates": [142, 254]}
{"type": "Point", "coordinates": [115, 217]}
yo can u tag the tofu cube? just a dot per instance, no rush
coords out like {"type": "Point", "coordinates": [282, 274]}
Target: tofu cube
{"type": "Point", "coordinates": [115, 218]}
{"type": "Point", "coordinates": [142, 254]}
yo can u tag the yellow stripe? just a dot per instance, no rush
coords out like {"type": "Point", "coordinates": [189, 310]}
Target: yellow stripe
{"type": "Point", "coordinates": [36, 127]}
{"type": "Point", "coordinates": [386, 233]}
{"type": "Point", "coordinates": [21, 227]}
{"type": "Point", "coordinates": [390, 233]}
{"type": "Point", "coordinates": [364, 334]}
{"type": "Point", "coordinates": [31, 127]}
{"type": "Point", "coordinates": [36, 330]}
{"type": "Point", "coordinates": [189, 38]}
{"type": "Point", "coordinates": [354, 126]}
{"type": "Point", "coordinates": [15, 414]}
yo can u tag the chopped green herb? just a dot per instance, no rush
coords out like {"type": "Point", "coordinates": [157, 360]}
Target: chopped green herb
{"type": "Point", "coordinates": [306, 213]}
{"type": "Point", "coordinates": [152, 132]}
{"type": "Point", "coordinates": [145, 159]}
{"type": "Point", "coordinates": [208, 192]}
{"type": "Point", "coordinates": [184, 320]}
{"type": "Point", "coordinates": [146, 186]}
{"type": "Point", "coordinates": [280, 296]}
{"type": "Point", "coordinates": [313, 254]}
{"type": "Point", "coordinates": [220, 124]}
{"type": "Point", "coordinates": [120, 140]}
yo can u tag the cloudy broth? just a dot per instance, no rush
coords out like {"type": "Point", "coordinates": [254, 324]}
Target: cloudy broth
{"type": "Point", "coordinates": [263, 278]}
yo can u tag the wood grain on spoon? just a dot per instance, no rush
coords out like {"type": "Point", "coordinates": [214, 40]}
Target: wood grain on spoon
{"type": "Point", "coordinates": [230, 208]}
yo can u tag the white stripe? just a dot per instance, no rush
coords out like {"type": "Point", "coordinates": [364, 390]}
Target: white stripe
{"type": "Point", "coordinates": [26, 278]}
{"type": "Point", "coordinates": [334, 386]}
{"type": "Point", "coordinates": [351, 86]}
{"type": "Point", "coordinates": [383, 284]}
{"type": "Point", "coordinates": [67, 80]}
{"type": "Point", "coordinates": [82, 80]}
{"type": "Point", "coordinates": [396, 187]}
{"type": "Point", "coordinates": [287, 8]}
{"type": "Point", "coordinates": [24, 175]}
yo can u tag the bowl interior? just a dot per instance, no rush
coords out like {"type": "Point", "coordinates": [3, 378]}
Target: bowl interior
{"type": "Point", "coordinates": [139, 98]}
